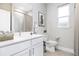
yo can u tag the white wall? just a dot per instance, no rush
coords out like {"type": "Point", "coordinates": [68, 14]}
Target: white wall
{"type": "Point", "coordinates": [51, 21]}
{"type": "Point", "coordinates": [38, 7]}
{"type": "Point", "coordinates": [66, 35]}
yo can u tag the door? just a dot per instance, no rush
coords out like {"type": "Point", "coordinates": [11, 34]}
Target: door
{"type": "Point", "coordinates": [76, 41]}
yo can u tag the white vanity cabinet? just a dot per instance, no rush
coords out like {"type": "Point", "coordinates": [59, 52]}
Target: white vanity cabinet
{"type": "Point", "coordinates": [37, 50]}
{"type": "Point", "coordinates": [31, 47]}
{"type": "Point", "coordinates": [37, 47]}
{"type": "Point", "coordinates": [15, 48]}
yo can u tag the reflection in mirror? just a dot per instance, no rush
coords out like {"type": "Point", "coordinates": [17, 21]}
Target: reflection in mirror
{"type": "Point", "coordinates": [21, 17]}
{"type": "Point", "coordinates": [5, 17]}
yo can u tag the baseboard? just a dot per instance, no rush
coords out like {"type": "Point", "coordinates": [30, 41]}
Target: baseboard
{"type": "Point", "coordinates": [66, 49]}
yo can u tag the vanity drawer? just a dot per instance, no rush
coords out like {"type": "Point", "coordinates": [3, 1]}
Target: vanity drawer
{"type": "Point", "coordinates": [22, 53]}
{"type": "Point", "coordinates": [9, 50]}
{"type": "Point", "coordinates": [37, 40]}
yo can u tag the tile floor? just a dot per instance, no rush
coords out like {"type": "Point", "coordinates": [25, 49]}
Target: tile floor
{"type": "Point", "coordinates": [57, 53]}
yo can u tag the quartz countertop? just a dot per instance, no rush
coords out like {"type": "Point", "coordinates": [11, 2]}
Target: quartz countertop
{"type": "Point", "coordinates": [19, 38]}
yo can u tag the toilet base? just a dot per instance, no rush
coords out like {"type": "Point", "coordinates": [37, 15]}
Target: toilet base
{"type": "Point", "coordinates": [51, 49]}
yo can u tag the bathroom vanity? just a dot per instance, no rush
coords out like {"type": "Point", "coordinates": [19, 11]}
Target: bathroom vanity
{"type": "Point", "coordinates": [20, 22]}
{"type": "Point", "coordinates": [23, 45]}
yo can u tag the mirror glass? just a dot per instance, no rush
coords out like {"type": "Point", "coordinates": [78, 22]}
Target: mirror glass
{"type": "Point", "coordinates": [5, 9]}
{"type": "Point", "coordinates": [21, 17]}
{"type": "Point", "coordinates": [16, 17]}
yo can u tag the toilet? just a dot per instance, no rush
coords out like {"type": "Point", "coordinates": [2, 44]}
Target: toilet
{"type": "Point", "coordinates": [51, 44]}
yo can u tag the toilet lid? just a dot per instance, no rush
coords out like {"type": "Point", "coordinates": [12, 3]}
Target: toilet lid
{"type": "Point", "coordinates": [54, 42]}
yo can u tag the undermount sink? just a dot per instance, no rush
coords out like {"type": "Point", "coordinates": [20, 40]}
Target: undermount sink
{"type": "Point", "coordinates": [5, 37]}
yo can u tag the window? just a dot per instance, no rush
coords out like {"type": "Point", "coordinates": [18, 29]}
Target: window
{"type": "Point", "coordinates": [63, 16]}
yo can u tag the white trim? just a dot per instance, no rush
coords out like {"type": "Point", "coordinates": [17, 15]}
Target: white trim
{"type": "Point", "coordinates": [66, 49]}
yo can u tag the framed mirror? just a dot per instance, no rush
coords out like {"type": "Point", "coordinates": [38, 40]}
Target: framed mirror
{"type": "Point", "coordinates": [41, 21]}
{"type": "Point", "coordinates": [22, 17]}
{"type": "Point", "coordinates": [16, 17]}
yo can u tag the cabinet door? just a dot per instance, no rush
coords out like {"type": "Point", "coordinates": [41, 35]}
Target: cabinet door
{"type": "Point", "coordinates": [14, 48]}
{"type": "Point", "coordinates": [38, 50]}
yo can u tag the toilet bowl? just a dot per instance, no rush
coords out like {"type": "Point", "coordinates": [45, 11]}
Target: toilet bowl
{"type": "Point", "coordinates": [51, 45]}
